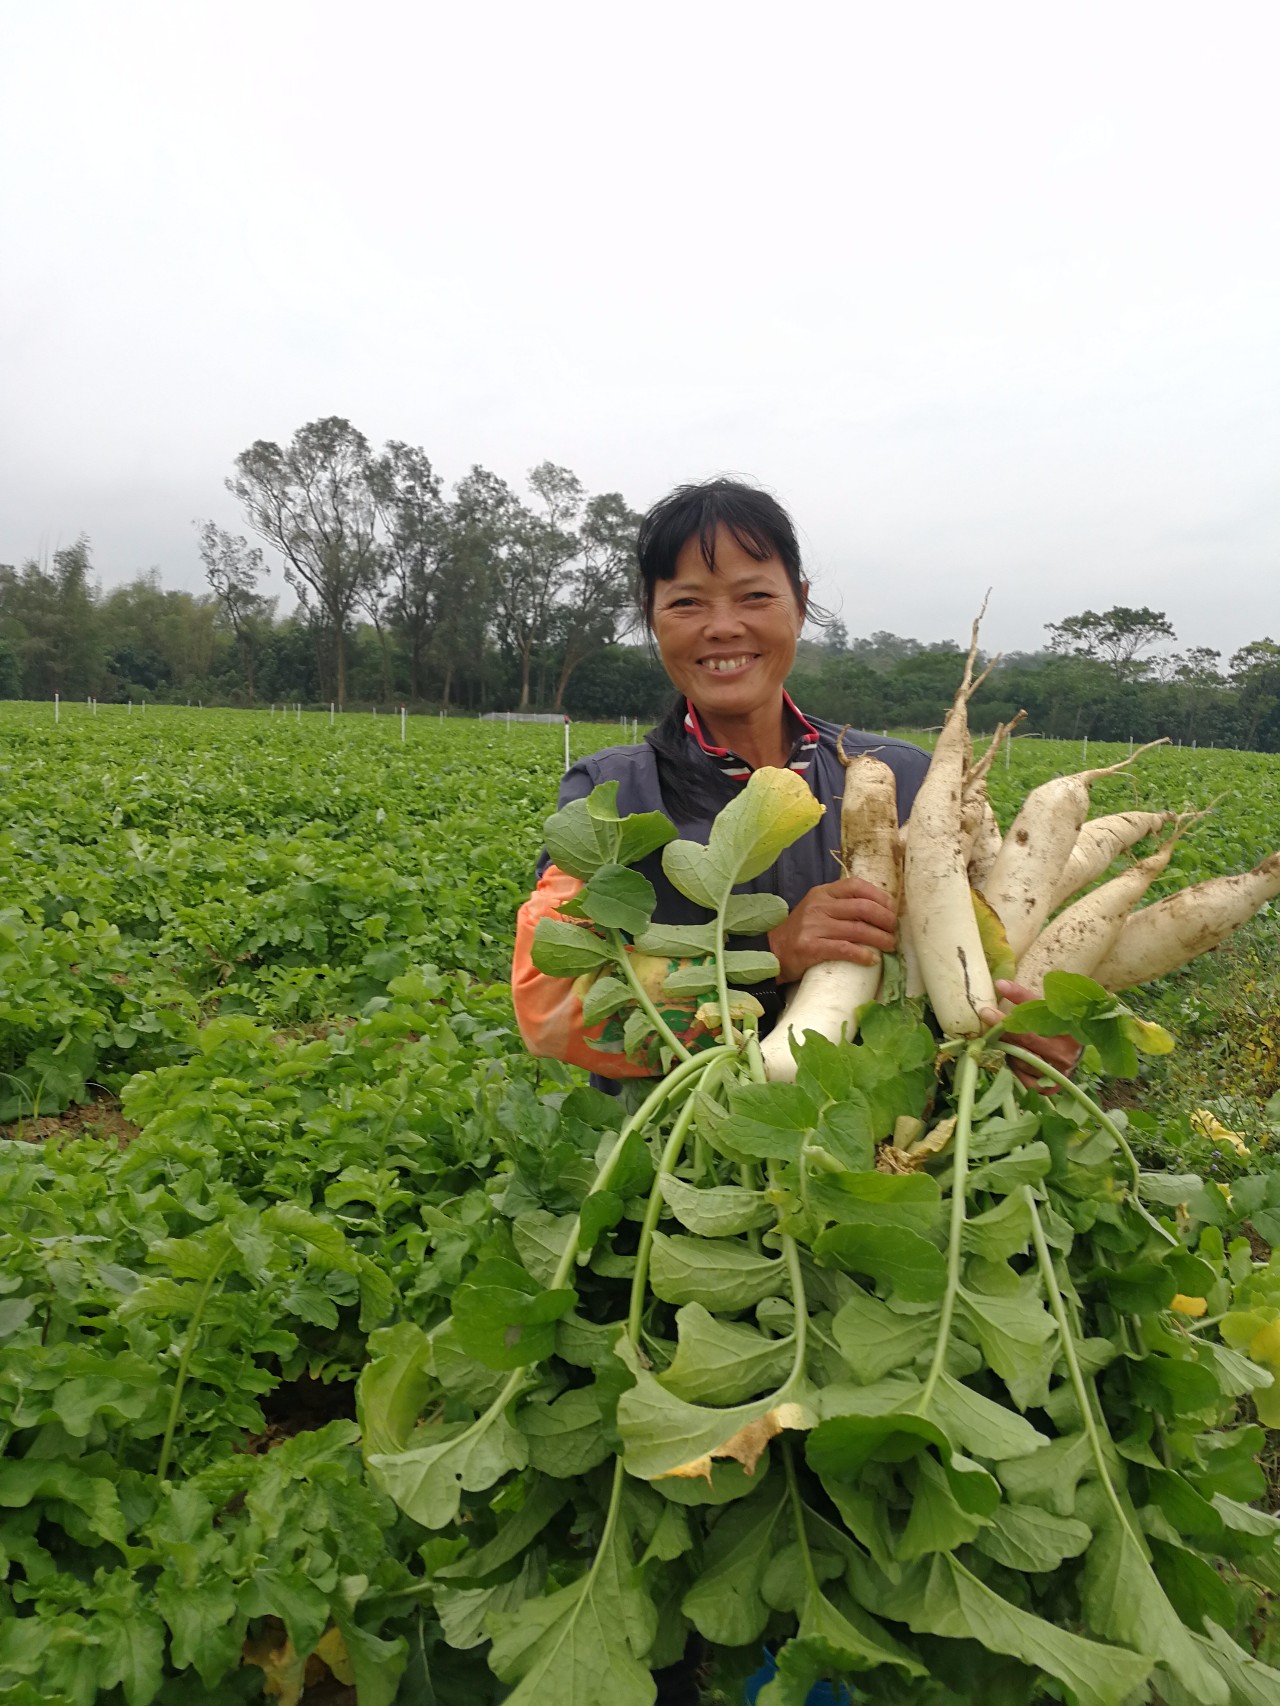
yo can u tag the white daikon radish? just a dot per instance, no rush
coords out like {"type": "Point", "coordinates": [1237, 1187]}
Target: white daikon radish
{"type": "Point", "coordinates": [984, 847]}
{"type": "Point", "coordinates": [1026, 873]}
{"type": "Point", "coordinates": [1079, 938]}
{"type": "Point", "coordinates": [828, 996]}
{"type": "Point", "coordinates": [977, 820]}
{"type": "Point", "coordinates": [912, 977]}
{"type": "Point", "coordinates": [936, 881]}
{"type": "Point", "coordinates": [1160, 938]}
{"type": "Point", "coordinates": [1099, 842]}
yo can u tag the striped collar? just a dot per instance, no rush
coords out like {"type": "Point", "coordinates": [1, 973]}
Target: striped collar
{"type": "Point", "coordinates": [738, 768]}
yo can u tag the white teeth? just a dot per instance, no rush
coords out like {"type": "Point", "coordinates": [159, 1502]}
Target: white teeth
{"type": "Point", "coordinates": [722, 664]}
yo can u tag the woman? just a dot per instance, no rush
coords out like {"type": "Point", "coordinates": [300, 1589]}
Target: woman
{"type": "Point", "coordinates": [723, 596]}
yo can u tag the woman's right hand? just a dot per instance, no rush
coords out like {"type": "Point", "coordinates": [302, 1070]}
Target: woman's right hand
{"type": "Point", "coordinates": [845, 920]}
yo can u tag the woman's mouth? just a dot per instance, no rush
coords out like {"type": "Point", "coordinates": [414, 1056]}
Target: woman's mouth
{"type": "Point", "coordinates": [728, 666]}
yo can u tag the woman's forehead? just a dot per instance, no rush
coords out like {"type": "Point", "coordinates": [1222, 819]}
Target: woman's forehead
{"type": "Point", "coordinates": [731, 563]}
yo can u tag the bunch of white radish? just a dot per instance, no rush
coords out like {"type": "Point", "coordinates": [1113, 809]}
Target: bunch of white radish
{"type": "Point", "coordinates": [950, 867]}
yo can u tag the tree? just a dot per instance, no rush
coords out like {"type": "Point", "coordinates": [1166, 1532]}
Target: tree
{"type": "Point", "coordinates": [314, 503]}
{"type": "Point", "coordinates": [162, 640]}
{"type": "Point", "coordinates": [1199, 681]}
{"type": "Point", "coordinates": [10, 662]}
{"type": "Point", "coordinates": [524, 554]}
{"type": "Point", "coordinates": [1116, 636]}
{"type": "Point", "coordinates": [597, 601]}
{"type": "Point", "coordinates": [415, 521]}
{"type": "Point", "coordinates": [50, 618]}
{"type": "Point", "coordinates": [545, 545]}
{"type": "Point", "coordinates": [1255, 675]}
{"type": "Point", "coordinates": [232, 567]}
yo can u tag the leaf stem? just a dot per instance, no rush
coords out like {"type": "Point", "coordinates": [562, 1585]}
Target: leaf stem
{"type": "Point", "coordinates": [966, 1085]}
{"type": "Point", "coordinates": [1086, 1101]}
{"type": "Point", "coordinates": [755, 1061]}
{"type": "Point", "coordinates": [184, 1364]}
{"type": "Point", "coordinates": [670, 1155]}
{"type": "Point", "coordinates": [797, 1515]}
{"type": "Point", "coordinates": [799, 1299]}
{"type": "Point", "coordinates": [722, 976]}
{"type": "Point", "coordinates": [1079, 1385]}
{"type": "Point", "coordinates": [644, 1000]}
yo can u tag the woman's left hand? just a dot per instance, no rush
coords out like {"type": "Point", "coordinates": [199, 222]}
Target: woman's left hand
{"type": "Point", "coordinates": [1060, 1052]}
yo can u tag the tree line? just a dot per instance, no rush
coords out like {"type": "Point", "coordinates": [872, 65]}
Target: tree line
{"type": "Point", "coordinates": [475, 597]}
{"type": "Point", "coordinates": [484, 597]}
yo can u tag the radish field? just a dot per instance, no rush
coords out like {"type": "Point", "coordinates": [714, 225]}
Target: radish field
{"type": "Point", "coordinates": [258, 1070]}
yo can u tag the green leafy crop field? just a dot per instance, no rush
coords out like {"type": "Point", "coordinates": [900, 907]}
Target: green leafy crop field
{"type": "Point", "coordinates": [258, 1073]}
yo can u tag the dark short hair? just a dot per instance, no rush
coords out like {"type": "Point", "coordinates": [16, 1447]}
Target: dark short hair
{"type": "Point", "coordinates": [756, 520]}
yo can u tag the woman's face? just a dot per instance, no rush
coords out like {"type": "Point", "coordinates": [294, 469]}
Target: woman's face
{"type": "Point", "coordinates": [727, 636]}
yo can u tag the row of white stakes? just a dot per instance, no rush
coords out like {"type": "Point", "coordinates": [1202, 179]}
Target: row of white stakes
{"type": "Point", "coordinates": [633, 726]}
{"type": "Point", "coordinates": [92, 703]}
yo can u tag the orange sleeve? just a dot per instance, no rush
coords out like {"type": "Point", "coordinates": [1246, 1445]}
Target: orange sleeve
{"type": "Point", "coordinates": [549, 1009]}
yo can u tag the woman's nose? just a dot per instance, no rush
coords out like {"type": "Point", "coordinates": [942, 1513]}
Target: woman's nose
{"type": "Point", "coordinates": [723, 621]}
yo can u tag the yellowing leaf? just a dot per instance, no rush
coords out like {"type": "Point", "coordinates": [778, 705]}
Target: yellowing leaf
{"type": "Point", "coordinates": [1265, 1345]}
{"type": "Point", "coordinates": [283, 1672]}
{"type": "Point", "coordinates": [995, 944]}
{"type": "Point", "coordinates": [910, 1156]}
{"type": "Point", "coordinates": [741, 1006]}
{"type": "Point", "coordinates": [1146, 1035]}
{"type": "Point", "coordinates": [1189, 1305]}
{"type": "Point", "coordinates": [774, 809]}
{"type": "Point", "coordinates": [747, 1445]}
{"type": "Point", "coordinates": [1207, 1124]}
{"type": "Point", "coordinates": [784, 806]}
{"type": "Point", "coordinates": [333, 1650]}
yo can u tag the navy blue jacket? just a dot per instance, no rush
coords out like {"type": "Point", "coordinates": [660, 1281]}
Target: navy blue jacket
{"type": "Point", "coordinates": [671, 773]}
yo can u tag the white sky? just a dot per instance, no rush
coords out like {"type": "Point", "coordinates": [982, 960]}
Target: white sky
{"type": "Point", "coordinates": [986, 293]}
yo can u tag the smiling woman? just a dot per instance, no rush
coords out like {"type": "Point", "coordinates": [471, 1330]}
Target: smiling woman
{"type": "Point", "coordinates": [722, 591]}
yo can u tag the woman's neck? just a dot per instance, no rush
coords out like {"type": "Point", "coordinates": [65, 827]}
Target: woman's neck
{"type": "Point", "coordinates": [761, 738]}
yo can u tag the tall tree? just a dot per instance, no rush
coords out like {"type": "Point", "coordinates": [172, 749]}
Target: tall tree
{"type": "Point", "coordinates": [1116, 636]}
{"type": "Point", "coordinates": [415, 522]}
{"type": "Point", "coordinates": [528, 572]}
{"type": "Point", "coordinates": [313, 502]}
{"type": "Point", "coordinates": [596, 601]}
{"type": "Point", "coordinates": [232, 567]}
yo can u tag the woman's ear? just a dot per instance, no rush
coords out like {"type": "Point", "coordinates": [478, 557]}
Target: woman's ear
{"type": "Point", "coordinates": [804, 606]}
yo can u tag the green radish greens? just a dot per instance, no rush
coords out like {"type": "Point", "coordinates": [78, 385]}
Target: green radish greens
{"type": "Point", "coordinates": [881, 1359]}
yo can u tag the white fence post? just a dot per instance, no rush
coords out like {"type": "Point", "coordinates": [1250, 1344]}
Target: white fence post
{"type": "Point", "coordinates": [402, 724]}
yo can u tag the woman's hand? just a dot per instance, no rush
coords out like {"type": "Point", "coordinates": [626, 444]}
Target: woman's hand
{"type": "Point", "coordinates": [844, 920]}
{"type": "Point", "coordinates": [1062, 1052]}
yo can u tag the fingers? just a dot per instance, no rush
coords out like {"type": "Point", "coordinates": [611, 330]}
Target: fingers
{"type": "Point", "coordinates": [1014, 993]}
{"type": "Point", "coordinates": [853, 911]}
{"type": "Point", "coordinates": [837, 948]}
{"type": "Point", "coordinates": [856, 888]}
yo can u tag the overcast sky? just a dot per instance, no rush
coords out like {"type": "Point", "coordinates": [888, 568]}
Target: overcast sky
{"type": "Point", "coordinates": [985, 293]}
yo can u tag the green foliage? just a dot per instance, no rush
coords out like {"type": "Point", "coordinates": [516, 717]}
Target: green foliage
{"type": "Point", "coordinates": [702, 1367]}
{"type": "Point", "coordinates": [990, 1362]}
